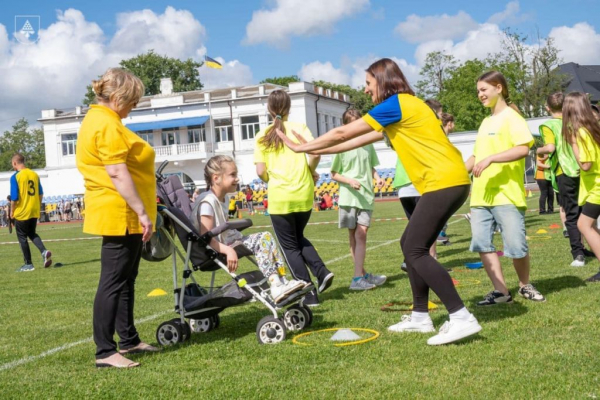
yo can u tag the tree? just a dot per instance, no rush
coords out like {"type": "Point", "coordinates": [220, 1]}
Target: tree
{"type": "Point", "coordinates": [437, 69]}
{"type": "Point", "coordinates": [151, 67]}
{"type": "Point", "coordinates": [282, 80]}
{"type": "Point", "coordinates": [22, 139]}
{"type": "Point", "coordinates": [359, 99]}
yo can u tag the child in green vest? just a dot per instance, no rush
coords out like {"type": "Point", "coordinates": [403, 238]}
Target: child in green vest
{"type": "Point", "coordinates": [355, 171]}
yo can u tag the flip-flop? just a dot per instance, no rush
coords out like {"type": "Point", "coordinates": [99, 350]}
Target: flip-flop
{"type": "Point", "coordinates": [140, 348]}
{"type": "Point", "coordinates": [131, 364]}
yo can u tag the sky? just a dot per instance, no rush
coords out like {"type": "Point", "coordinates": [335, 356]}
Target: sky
{"type": "Point", "coordinates": [332, 40]}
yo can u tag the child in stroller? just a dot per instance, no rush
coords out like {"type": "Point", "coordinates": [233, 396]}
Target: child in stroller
{"type": "Point", "coordinates": [209, 211]}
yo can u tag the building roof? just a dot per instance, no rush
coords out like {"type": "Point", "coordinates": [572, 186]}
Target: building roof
{"type": "Point", "coordinates": [583, 78]}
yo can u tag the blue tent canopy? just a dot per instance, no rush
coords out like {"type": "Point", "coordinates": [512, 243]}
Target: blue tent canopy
{"type": "Point", "coordinates": [170, 123]}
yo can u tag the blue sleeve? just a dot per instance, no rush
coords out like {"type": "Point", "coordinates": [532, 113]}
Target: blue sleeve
{"type": "Point", "coordinates": [14, 188]}
{"type": "Point", "coordinates": [385, 113]}
{"type": "Point", "coordinates": [40, 187]}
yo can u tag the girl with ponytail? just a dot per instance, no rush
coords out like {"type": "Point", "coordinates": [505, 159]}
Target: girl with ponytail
{"type": "Point", "coordinates": [291, 190]}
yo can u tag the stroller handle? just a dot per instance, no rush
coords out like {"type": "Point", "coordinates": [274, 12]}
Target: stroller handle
{"type": "Point", "coordinates": [238, 225]}
{"type": "Point", "coordinates": [159, 171]}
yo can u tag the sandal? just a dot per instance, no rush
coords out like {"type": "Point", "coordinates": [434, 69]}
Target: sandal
{"type": "Point", "coordinates": [140, 348]}
{"type": "Point", "coordinates": [116, 361]}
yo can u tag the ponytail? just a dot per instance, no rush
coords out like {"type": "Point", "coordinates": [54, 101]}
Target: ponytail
{"type": "Point", "coordinates": [278, 104]}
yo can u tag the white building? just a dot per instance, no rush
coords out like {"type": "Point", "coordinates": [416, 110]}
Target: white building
{"type": "Point", "coordinates": [188, 128]}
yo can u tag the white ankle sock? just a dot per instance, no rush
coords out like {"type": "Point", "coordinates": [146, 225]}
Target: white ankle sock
{"type": "Point", "coordinates": [419, 316]}
{"type": "Point", "coordinates": [463, 313]}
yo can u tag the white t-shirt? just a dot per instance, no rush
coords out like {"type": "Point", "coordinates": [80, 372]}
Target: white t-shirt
{"type": "Point", "coordinates": [206, 209]}
{"type": "Point", "coordinates": [408, 191]}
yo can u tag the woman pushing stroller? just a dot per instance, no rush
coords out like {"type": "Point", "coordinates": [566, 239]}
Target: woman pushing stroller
{"type": "Point", "coordinates": [210, 210]}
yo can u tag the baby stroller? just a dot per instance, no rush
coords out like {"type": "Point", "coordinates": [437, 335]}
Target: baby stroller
{"type": "Point", "coordinates": [201, 306]}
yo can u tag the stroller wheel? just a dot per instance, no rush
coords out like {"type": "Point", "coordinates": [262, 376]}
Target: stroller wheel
{"type": "Point", "coordinates": [270, 330]}
{"type": "Point", "coordinates": [186, 332]}
{"type": "Point", "coordinates": [216, 321]}
{"type": "Point", "coordinates": [202, 325]}
{"type": "Point", "coordinates": [309, 315]}
{"type": "Point", "coordinates": [169, 333]}
{"type": "Point", "coordinates": [295, 318]}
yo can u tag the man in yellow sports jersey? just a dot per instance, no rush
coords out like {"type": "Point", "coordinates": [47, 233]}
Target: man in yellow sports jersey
{"type": "Point", "coordinates": [26, 195]}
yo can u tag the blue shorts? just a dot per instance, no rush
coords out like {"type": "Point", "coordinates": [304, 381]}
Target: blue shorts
{"type": "Point", "coordinates": [512, 222]}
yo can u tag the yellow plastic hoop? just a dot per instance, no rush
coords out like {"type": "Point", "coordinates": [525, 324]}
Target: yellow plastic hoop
{"type": "Point", "coordinates": [540, 237]}
{"type": "Point", "coordinates": [469, 282]}
{"type": "Point", "coordinates": [374, 332]}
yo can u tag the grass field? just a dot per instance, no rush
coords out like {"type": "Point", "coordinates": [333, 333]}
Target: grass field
{"type": "Point", "coordinates": [526, 349]}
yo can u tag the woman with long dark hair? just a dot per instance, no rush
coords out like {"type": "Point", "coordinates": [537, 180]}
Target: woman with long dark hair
{"type": "Point", "coordinates": [436, 169]}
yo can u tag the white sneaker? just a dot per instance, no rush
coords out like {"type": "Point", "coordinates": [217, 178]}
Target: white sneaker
{"type": "Point", "coordinates": [578, 261]}
{"type": "Point", "coordinates": [406, 324]}
{"type": "Point", "coordinates": [294, 285]}
{"type": "Point", "coordinates": [280, 291]}
{"type": "Point", "coordinates": [455, 330]}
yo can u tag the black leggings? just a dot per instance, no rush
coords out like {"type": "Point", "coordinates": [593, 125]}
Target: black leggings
{"type": "Point", "coordinates": [569, 191]}
{"type": "Point", "coordinates": [432, 212]}
{"type": "Point", "coordinates": [546, 195]}
{"type": "Point", "coordinates": [113, 305]}
{"type": "Point", "coordinates": [26, 229]}
{"type": "Point", "coordinates": [298, 250]}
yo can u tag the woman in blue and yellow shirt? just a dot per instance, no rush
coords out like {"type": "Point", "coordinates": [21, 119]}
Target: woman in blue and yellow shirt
{"type": "Point", "coordinates": [120, 198]}
{"type": "Point", "coordinates": [436, 169]}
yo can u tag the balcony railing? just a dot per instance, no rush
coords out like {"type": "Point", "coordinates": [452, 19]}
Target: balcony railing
{"type": "Point", "coordinates": [175, 149]}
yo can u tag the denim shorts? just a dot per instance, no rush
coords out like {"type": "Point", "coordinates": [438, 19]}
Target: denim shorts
{"type": "Point", "coordinates": [351, 216]}
{"type": "Point", "coordinates": [511, 221]}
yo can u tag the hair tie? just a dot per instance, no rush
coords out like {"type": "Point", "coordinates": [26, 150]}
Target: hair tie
{"type": "Point", "coordinates": [278, 116]}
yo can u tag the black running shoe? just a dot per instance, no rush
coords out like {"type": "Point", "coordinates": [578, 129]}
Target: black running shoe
{"type": "Point", "coordinates": [595, 278]}
{"type": "Point", "coordinates": [566, 233]}
{"type": "Point", "coordinates": [495, 297]}
{"type": "Point", "coordinates": [311, 299]}
{"type": "Point", "coordinates": [588, 253]}
{"type": "Point", "coordinates": [326, 282]}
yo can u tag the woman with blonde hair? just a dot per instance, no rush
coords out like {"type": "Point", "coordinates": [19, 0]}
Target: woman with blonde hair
{"type": "Point", "coordinates": [120, 198]}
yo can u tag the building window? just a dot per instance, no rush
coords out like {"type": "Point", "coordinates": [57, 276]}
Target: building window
{"type": "Point", "coordinates": [69, 143]}
{"type": "Point", "coordinates": [196, 134]}
{"type": "Point", "coordinates": [148, 136]}
{"type": "Point", "coordinates": [170, 137]}
{"type": "Point", "coordinates": [223, 130]}
{"type": "Point", "coordinates": [250, 127]}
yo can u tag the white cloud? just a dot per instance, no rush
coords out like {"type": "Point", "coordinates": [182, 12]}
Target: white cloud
{"type": "Point", "coordinates": [318, 71]}
{"type": "Point", "coordinates": [70, 52]}
{"type": "Point", "coordinates": [234, 73]}
{"type": "Point", "coordinates": [416, 29]}
{"type": "Point", "coordinates": [579, 43]}
{"type": "Point", "coordinates": [287, 19]}
{"type": "Point", "coordinates": [352, 72]}
{"type": "Point", "coordinates": [510, 14]}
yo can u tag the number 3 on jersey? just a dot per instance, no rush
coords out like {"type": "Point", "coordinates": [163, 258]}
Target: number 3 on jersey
{"type": "Point", "coordinates": [31, 190]}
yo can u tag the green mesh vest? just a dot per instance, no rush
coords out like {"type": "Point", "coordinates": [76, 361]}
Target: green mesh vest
{"type": "Point", "coordinates": [563, 155]}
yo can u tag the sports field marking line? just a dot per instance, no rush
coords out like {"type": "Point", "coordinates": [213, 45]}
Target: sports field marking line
{"type": "Point", "coordinates": [26, 360]}
{"type": "Point", "coordinates": [368, 248]}
{"type": "Point", "coordinates": [60, 240]}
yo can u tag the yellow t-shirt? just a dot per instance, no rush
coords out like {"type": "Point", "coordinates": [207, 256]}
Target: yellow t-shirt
{"type": "Point", "coordinates": [291, 185]}
{"type": "Point", "coordinates": [589, 187]}
{"type": "Point", "coordinates": [501, 183]}
{"type": "Point", "coordinates": [431, 161]}
{"type": "Point", "coordinates": [104, 140]}
{"type": "Point", "coordinates": [549, 138]}
{"type": "Point", "coordinates": [25, 190]}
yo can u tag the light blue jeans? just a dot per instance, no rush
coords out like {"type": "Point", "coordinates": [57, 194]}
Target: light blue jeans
{"type": "Point", "coordinates": [512, 222]}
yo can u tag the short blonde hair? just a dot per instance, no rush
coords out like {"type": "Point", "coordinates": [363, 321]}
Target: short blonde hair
{"type": "Point", "coordinates": [120, 86]}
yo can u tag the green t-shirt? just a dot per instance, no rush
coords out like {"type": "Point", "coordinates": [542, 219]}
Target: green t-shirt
{"type": "Point", "coordinates": [357, 164]}
{"type": "Point", "coordinates": [401, 177]}
{"type": "Point", "coordinates": [566, 157]}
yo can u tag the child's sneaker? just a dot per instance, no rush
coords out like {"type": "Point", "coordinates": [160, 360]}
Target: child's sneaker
{"type": "Point", "coordinates": [47, 255]}
{"type": "Point", "coordinates": [26, 268]}
{"type": "Point", "coordinates": [361, 283]}
{"type": "Point", "coordinates": [407, 324]}
{"type": "Point", "coordinates": [281, 291]}
{"type": "Point", "coordinates": [293, 286]}
{"type": "Point", "coordinates": [495, 297]}
{"type": "Point", "coordinates": [376, 280]}
{"type": "Point", "coordinates": [531, 293]}
{"type": "Point", "coordinates": [455, 330]}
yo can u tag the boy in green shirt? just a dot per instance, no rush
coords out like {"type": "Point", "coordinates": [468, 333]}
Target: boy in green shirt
{"type": "Point", "coordinates": [355, 171]}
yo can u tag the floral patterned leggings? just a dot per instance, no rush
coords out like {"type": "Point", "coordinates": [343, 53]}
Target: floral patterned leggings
{"type": "Point", "coordinates": [267, 255]}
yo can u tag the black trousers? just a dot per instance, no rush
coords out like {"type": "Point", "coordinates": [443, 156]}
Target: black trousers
{"type": "Point", "coordinates": [424, 272]}
{"type": "Point", "coordinates": [298, 250]}
{"type": "Point", "coordinates": [113, 305]}
{"type": "Point", "coordinates": [546, 195]}
{"type": "Point", "coordinates": [409, 204]}
{"type": "Point", "coordinates": [569, 193]}
{"type": "Point", "coordinates": [26, 229]}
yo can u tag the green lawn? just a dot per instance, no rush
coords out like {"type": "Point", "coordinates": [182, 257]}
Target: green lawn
{"type": "Point", "coordinates": [526, 350]}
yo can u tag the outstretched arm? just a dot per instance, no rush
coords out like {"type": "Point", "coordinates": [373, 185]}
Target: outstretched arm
{"type": "Point", "coordinates": [333, 137]}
